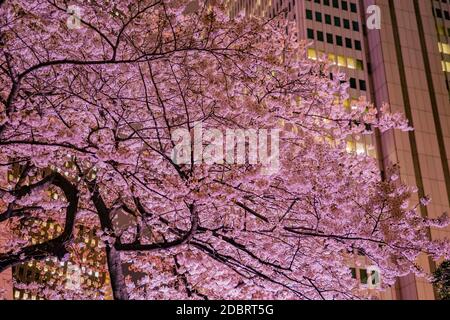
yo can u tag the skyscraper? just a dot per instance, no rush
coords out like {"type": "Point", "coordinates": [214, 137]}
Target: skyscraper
{"type": "Point", "coordinates": [394, 52]}
{"type": "Point", "coordinates": [6, 287]}
{"type": "Point", "coordinates": [409, 58]}
{"type": "Point", "coordinates": [6, 283]}
{"type": "Point", "coordinates": [83, 271]}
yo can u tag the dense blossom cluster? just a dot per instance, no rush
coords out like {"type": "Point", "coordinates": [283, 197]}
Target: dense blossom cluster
{"type": "Point", "coordinates": [86, 120]}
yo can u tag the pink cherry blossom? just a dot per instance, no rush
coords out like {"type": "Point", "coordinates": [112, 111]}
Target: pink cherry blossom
{"type": "Point", "coordinates": [86, 120]}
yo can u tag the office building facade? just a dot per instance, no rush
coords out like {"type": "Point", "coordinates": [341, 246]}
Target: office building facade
{"type": "Point", "coordinates": [6, 283]}
{"type": "Point", "coordinates": [394, 52]}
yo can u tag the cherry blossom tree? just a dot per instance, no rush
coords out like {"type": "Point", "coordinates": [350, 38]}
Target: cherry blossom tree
{"type": "Point", "coordinates": [91, 95]}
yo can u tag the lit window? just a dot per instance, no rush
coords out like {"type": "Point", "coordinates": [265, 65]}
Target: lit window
{"type": "Point", "coordinates": [321, 55]}
{"type": "Point", "coordinates": [342, 61]}
{"type": "Point", "coordinates": [359, 64]}
{"type": "Point", "coordinates": [351, 146]}
{"type": "Point", "coordinates": [360, 148]}
{"type": "Point", "coordinates": [332, 58]}
{"type": "Point", "coordinates": [347, 103]}
{"type": "Point", "coordinates": [312, 54]}
{"type": "Point", "coordinates": [444, 48]}
{"type": "Point", "coordinates": [446, 66]}
{"type": "Point", "coordinates": [351, 63]}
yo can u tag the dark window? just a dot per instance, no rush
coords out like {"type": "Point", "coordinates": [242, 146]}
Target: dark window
{"type": "Point", "coordinates": [320, 35]}
{"type": "Point", "coordinates": [348, 43]}
{"type": "Point", "coordinates": [309, 14]}
{"type": "Point", "coordinates": [318, 16]}
{"type": "Point", "coordinates": [339, 40]}
{"type": "Point", "coordinates": [330, 38]}
{"type": "Point", "coordinates": [363, 276]}
{"type": "Point", "coordinates": [337, 21]}
{"type": "Point", "coordinates": [346, 24]}
{"type": "Point", "coordinates": [358, 45]}
{"type": "Point", "coordinates": [310, 33]}
{"type": "Point", "coordinates": [362, 85]}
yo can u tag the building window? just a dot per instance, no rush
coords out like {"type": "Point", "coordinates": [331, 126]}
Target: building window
{"type": "Point", "coordinates": [351, 63]}
{"type": "Point", "coordinates": [348, 43]}
{"type": "Point", "coordinates": [345, 5]}
{"type": "Point", "coordinates": [346, 24]}
{"type": "Point", "coordinates": [310, 33]}
{"type": "Point", "coordinates": [362, 85]}
{"type": "Point", "coordinates": [318, 16]}
{"type": "Point", "coordinates": [444, 48]}
{"type": "Point", "coordinates": [330, 38]}
{"type": "Point", "coordinates": [312, 54]}
{"type": "Point", "coordinates": [358, 45]}
{"type": "Point", "coordinates": [363, 276]}
{"type": "Point", "coordinates": [320, 35]}
{"type": "Point", "coordinates": [342, 61]}
{"type": "Point", "coordinates": [359, 64]}
{"type": "Point", "coordinates": [337, 21]}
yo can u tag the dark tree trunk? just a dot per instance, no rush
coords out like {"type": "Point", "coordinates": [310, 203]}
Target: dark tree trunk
{"type": "Point", "coordinates": [116, 273]}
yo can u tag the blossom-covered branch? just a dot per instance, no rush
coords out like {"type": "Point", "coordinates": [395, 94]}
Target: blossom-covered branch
{"type": "Point", "coordinates": [91, 115]}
